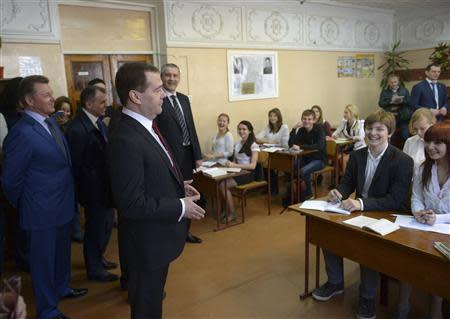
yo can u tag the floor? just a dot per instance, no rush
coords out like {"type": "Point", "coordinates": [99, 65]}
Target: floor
{"type": "Point", "coordinates": [254, 270]}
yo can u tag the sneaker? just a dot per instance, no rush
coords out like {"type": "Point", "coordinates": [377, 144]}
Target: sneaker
{"type": "Point", "coordinates": [327, 291]}
{"type": "Point", "coordinates": [366, 309]}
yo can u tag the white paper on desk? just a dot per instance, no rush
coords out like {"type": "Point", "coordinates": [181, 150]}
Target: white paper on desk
{"type": "Point", "coordinates": [323, 206]}
{"type": "Point", "coordinates": [215, 171]}
{"type": "Point", "coordinates": [233, 169]}
{"type": "Point", "coordinates": [269, 145]}
{"type": "Point", "coordinates": [411, 222]}
{"type": "Point", "coordinates": [208, 163]}
{"type": "Point", "coordinates": [272, 149]}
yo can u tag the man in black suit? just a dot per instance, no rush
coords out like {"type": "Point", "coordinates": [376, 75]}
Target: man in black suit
{"type": "Point", "coordinates": [87, 137]}
{"type": "Point", "coordinates": [380, 174]}
{"type": "Point", "coordinates": [148, 189]}
{"type": "Point", "coordinates": [177, 126]}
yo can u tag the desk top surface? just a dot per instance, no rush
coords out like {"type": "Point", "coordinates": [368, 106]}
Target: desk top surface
{"type": "Point", "coordinates": [222, 177]}
{"type": "Point", "coordinates": [416, 240]}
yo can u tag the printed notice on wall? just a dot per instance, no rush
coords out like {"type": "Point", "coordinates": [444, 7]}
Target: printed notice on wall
{"type": "Point", "coordinates": [346, 66]}
{"type": "Point", "coordinates": [29, 65]}
{"type": "Point", "coordinates": [252, 75]}
{"type": "Point", "coordinates": [365, 65]}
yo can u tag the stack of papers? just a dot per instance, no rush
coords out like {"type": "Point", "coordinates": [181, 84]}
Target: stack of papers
{"type": "Point", "coordinates": [380, 226]}
{"type": "Point", "coordinates": [411, 222]}
{"type": "Point", "coordinates": [215, 171]}
{"type": "Point", "coordinates": [208, 163]}
{"type": "Point", "coordinates": [272, 149]}
{"type": "Point", "coordinates": [324, 206]}
{"type": "Point", "coordinates": [233, 169]}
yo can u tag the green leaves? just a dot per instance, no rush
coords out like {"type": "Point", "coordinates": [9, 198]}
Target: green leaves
{"type": "Point", "coordinates": [441, 55]}
{"type": "Point", "coordinates": [394, 62]}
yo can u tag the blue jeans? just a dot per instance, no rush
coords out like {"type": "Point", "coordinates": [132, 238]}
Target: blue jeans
{"type": "Point", "coordinates": [369, 278]}
{"type": "Point", "coordinates": [307, 166]}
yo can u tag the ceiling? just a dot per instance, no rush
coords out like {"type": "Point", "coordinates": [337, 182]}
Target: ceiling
{"type": "Point", "coordinates": [396, 5]}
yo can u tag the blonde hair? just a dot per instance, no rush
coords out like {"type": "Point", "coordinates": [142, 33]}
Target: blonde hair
{"type": "Point", "coordinates": [419, 114]}
{"type": "Point", "coordinates": [353, 109]}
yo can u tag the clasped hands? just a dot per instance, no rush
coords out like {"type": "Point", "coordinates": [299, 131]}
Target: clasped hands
{"type": "Point", "coordinates": [334, 196]}
{"type": "Point", "coordinates": [191, 209]}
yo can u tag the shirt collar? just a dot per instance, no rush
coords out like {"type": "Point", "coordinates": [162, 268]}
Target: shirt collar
{"type": "Point", "coordinates": [38, 117]}
{"type": "Point", "coordinates": [431, 82]}
{"type": "Point", "coordinates": [168, 94]}
{"type": "Point", "coordinates": [379, 156]}
{"type": "Point", "coordinates": [138, 117]}
{"type": "Point", "coordinates": [91, 117]}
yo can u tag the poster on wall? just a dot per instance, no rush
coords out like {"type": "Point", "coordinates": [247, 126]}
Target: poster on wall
{"type": "Point", "coordinates": [252, 75]}
{"type": "Point", "coordinates": [365, 65]}
{"type": "Point", "coordinates": [346, 66]}
{"type": "Point", "coordinates": [29, 65]}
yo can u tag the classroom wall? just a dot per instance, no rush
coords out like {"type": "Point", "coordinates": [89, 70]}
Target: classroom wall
{"type": "Point", "coordinates": [305, 78]}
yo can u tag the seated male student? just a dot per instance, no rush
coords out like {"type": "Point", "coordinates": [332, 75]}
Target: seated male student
{"type": "Point", "coordinates": [381, 176]}
{"type": "Point", "coordinates": [309, 137]}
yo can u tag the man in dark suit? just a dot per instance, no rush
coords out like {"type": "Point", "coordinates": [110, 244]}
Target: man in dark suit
{"type": "Point", "coordinates": [37, 179]}
{"type": "Point", "coordinates": [148, 189]}
{"type": "Point", "coordinates": [87, 137]}
{"type": "Point", "coordinates": [430, 93]}
{"type": "Point", "coordinates": [177, 126]}
{"type": "Point", "coordinates": [381, 176]}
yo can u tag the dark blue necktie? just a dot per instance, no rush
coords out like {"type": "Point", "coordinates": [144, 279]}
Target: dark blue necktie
{"type": "Point", "coordinates": [102, 128]}
{"type": "Point", "coordinates": [56, 134]}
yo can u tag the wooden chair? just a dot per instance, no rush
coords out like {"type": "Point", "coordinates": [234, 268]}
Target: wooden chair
{"type": "Point", "coordinates": [332, 165]}
{"type": "Point", "coordinates": [241, 191]}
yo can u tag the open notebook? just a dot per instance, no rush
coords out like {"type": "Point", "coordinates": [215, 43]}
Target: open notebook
{"type": "Point", "coordinates": [324, 206]}
{"type": "Point", "coordinates": [380, 226]}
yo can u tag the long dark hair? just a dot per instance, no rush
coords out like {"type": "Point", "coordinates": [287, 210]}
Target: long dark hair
{"type": "Point", "coordinates": [247, 147]}
{"type": "Point", "coordinates": [274, 128]}
{"type": "Point", "coordinates": [9, 101]}
{"type": "Point", "coordinates": [320, 119]}
{"type": "Point", "coordinates": [438, 133]}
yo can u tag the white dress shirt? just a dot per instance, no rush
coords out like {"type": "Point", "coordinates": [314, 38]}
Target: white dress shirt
{"type": "Point", "coordinates": [432, 196]}
{"type": "Point", "coordinates": [280, 138]}
{"type": "Point", "coordinates": [356, 133]}
{"type": "Point", "coordinates": [242, 158]}
{"type": "Point", "coordinates": [414, 147]}
{"type": "Point", "coordinates": [371, 168]}
{"type": "Point", "coordinates": [91, 117]}
{"type": "Point", "coordinates": [147, 123]}
{"type": "Point", "coordinates": [223, 144]}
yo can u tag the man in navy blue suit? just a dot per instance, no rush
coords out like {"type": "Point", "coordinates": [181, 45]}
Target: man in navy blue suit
{"type": "Point", "coordinates": [37, 179]}
{"type": "Point", "coordinates": [431, 94]}
{"type": "Point", "coordinates": [87, 137]}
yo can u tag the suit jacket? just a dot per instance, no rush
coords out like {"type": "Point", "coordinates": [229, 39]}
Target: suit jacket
{"type": "Point", "coordinates": [390, 184]}
{"type": "Point", "coordinates": [147, 193]}
{"type": "Point", "coordinates": [171, 129]}
{"type": "Point", "coordinates": [422, 96]}
{"type": "Point", "coordinates": [88, 153]}
{"type": "Point", "coordinates": [37, 176]}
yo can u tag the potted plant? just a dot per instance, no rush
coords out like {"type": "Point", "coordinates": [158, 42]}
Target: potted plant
{"type": "Point", "coordinates": [394, 62]}
{"type": "Point", "coordinates": [441, 55]}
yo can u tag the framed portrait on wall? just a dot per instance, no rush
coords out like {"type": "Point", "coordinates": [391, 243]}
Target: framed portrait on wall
{"type": "Point", "coordinates": [252, 75]}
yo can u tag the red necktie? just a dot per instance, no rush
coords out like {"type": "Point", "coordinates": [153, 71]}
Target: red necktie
{"type": "Point", "coordinates": [166, 147]}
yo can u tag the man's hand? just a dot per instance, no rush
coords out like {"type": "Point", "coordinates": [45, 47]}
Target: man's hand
{"type": "Point", "coordinates": [351, 205]}
{"type": "Point", "coordinates": [299, 124]}
{"type": "Point", "coordinates": [435, 112]}
{"type": "Point", "coordinates": [198, 163]}
{"type": "Point", "coordinates": [295, 148]}
{"type": "Point", "coordinates": [192, 210]}
{"type": "Point", "coordinates": [334, 196]}
{"type": "Point", "coordinates": [191, 192]}
{"type": "Point", "coordinates": [443, 111]}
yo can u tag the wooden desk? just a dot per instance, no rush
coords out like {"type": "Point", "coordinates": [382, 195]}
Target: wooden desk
{"type": "Point", "coordinates": [209, 186]}
{"type": "Point", "coordinates": [284, 161]}
{"type": "Point", "coordinates": [406, 254]}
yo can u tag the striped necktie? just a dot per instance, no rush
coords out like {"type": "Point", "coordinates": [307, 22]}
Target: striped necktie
{"type": "Point", "coordinates": [181, 120]}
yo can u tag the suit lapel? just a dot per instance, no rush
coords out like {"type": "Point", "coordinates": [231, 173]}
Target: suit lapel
{"type": "Point", "coordinates": [362, 169]}
{"type": "Point", "coordinates": [147, 136]}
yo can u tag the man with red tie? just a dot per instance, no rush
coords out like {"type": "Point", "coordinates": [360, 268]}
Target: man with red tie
{"type": "Point", "coordinates": [148, 189]}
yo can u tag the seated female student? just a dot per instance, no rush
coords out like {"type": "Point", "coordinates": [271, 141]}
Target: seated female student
{"type": "Point", "coordinates": [245, 157]}
{"type": "Point", "coordinates": [380, 175]}
{"type": "Point", "coordinates": [430, 201]}
{"type": "Point", "coordinates": [275, 132]}
{"type": "Point", "coordinates": [350, 128]}
{"type": "Point", "coordinates": [309, 137]}
{"type": "Point", "coordinates": [319, 119]}
{"type": "Point", "coordinates": [222, 142]}
{"type": "Point", "coordinates": [421, 120]}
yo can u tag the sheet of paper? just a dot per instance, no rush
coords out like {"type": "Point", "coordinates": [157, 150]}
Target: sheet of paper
{"type": "Point", "coordinates": [360, 221]}
{"type": "Point", "coordinates": [410, 222]}
{"type": "Point", "coordinates": [272, 149]}
{"type": "Point", "coordinates": [208, 163]}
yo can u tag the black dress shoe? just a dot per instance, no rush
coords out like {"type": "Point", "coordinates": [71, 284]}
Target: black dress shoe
{"type": "Point", "coordinates": [61, 316]}
{"type": "Point", "coordinates": [108, 265]}
{"type": "Point", "coordinates": [103, 277]}
{"type": "Point", "coordinates": [75, 293]}
{"type": "Point", "coordinates": [193, 239]}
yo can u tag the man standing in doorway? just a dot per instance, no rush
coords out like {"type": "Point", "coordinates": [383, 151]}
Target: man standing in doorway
{"type": "Point", "coordinates": [430, 93]}
{"type": "Point", "coordinates": [177, 126]}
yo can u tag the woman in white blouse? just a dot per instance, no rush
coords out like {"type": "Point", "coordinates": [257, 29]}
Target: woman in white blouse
{"type": "Point", "coordinates": [222, 142]}
{"type": "Point", "coordinates": [350, 128]}
{"type": "Point", "coordinates": [420, 121]}
{"type": "Point", "coordinates": [275, 132]}
{"type": "Point", "coordinates": [430, 201]}
{"type": "Point", "coordinates": [245, 157]}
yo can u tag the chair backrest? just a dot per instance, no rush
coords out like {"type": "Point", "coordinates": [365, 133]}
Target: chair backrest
{"type": "Point", "coordinates": [332, 149]}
